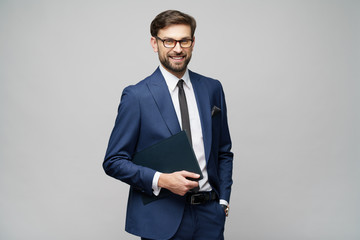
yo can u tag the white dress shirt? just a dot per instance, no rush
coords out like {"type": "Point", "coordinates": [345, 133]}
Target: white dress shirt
{"type": "Point", "coordinates": [195, 126]}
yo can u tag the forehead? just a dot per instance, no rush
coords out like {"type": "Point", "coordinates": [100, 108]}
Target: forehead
{"type": "Point", "coordinates": [177, 31]}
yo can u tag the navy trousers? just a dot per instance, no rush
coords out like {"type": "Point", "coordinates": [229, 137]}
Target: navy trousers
{"type": "Point", "coordinates": [201, 222]}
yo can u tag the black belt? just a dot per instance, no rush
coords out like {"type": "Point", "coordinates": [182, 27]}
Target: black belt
{"type": "Point", "coordinates": [200, 197]}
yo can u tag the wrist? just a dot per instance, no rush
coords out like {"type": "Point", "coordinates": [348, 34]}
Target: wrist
{"type": "Point", "coordinates": [162, 180]}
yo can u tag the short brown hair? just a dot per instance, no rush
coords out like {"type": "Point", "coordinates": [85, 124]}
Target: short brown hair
{"type": "Point", "coordinates": [171, 17]}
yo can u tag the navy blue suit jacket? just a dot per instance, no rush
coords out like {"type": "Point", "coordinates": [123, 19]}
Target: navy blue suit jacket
{"type": "Point", "coordinates": [146, 116]}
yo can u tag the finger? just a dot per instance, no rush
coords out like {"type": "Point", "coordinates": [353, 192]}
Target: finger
{"type": "Point", "coordinates": [192, 184]}
{"type": "Point", "coordinates": [189, 174]}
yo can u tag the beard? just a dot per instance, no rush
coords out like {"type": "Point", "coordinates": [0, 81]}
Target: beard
{"type": "Point", "coordinates": [175, 67]}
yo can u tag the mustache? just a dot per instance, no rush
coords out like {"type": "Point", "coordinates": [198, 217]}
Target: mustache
{"type": "Point", "coordinates": [177, 55]}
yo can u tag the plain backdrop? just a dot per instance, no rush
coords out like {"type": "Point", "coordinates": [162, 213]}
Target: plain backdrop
{"type": "Point", "coordinates": [290, 71]}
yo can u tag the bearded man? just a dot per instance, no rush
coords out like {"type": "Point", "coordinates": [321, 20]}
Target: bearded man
{"type": "Point", "coordinates": [171, 99]}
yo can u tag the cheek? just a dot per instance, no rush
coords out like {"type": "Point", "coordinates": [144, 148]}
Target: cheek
{"type": "Point", "coordinates": [189, 52]}
{"type": "Point", "coordinates": [162, 52]}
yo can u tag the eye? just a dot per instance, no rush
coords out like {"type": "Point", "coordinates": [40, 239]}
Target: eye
{"type": "Point", "coordinates": [169, 41]}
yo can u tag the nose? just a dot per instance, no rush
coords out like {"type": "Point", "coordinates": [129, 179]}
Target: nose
{"type": "Point", "coordinates": [177, 48]}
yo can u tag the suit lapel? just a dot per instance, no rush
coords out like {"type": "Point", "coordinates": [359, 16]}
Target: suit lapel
{"type": "Point", "coordinates": [161, 95]}
{"type": "Point", "coordinates": [203, 103]}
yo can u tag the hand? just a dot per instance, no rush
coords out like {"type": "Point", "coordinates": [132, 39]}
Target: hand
{"type": "Point", "coordinates": [177, 182]}
{"type": "Point", "coordinates": [226, 209]}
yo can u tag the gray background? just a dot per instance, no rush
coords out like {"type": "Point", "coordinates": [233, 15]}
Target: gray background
{"type": "Point", "coordinates": [290, 70]}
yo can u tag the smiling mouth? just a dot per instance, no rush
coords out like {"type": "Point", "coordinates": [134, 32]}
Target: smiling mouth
{"type": "Point", "coordinates": [177, 58]}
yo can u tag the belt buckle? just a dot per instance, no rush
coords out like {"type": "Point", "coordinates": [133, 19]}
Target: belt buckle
{"type": "Point", "coordinates": [197, 198]}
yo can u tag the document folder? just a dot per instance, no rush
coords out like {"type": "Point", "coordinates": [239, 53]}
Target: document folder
{"type": "Point", "coordinates": [169, 155]}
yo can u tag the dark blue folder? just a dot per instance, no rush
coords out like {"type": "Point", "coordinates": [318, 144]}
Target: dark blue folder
{"type": "Point", "coordinates": [169, 155]}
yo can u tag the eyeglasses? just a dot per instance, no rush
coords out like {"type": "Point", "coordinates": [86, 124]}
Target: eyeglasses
{"type": "Point", "coordinates": [170, 43]}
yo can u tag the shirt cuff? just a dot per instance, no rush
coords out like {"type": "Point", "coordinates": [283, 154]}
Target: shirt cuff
{"type": "Point", "coordinates": [223, 202]}
{"type": "Point", "coordinates": [155, 187]}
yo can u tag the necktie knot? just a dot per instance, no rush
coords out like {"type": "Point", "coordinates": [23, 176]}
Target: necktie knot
{"type": "Point", "coordinates": [180, 84]}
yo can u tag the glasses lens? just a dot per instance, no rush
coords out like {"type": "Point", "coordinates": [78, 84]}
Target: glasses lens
{"type": "Point", "coordinates": [169, 43]}
{"type": "Point", "coordinates": [185, 43]}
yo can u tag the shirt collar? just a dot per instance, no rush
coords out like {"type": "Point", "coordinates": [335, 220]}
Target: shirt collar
{"type": "Point", "coordinates": [172, 80]}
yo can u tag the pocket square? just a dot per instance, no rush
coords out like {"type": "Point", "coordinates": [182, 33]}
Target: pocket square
{"type": "Point", "coordinates": [215, 110]}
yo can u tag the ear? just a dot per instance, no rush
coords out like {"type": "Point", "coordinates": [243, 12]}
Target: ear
{"type": "Point", "coordinates": [193, 43]}
{"type": "Point", "coordinates": [154, 44]}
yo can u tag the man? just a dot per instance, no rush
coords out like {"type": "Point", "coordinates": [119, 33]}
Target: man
{"type": "Point", "coordinates": [157, 108]}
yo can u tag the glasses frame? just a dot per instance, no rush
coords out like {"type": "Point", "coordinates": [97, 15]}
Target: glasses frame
{"type": "Point", "coordinates": [176, 42]}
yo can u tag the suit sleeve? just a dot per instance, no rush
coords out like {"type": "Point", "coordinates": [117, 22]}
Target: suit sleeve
{"type": "Point", "coordinates": [122, 145]}
{"type": "Point", "coordinates": [225, 156]}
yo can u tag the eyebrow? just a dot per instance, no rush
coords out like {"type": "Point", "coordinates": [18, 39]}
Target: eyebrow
{"type": "Point", "coordinates": [184, 38]}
